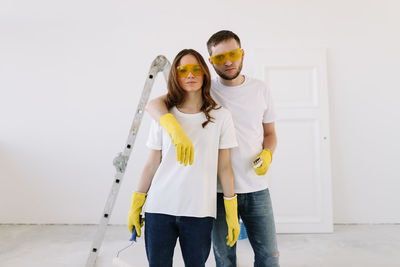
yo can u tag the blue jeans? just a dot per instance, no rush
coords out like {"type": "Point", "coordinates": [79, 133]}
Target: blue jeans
{"type": "Point", "coordinates": [162, 231]}
{"type": "Point", "coordinates": [255, 209]}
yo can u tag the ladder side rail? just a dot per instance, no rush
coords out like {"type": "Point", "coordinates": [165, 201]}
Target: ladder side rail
{"type": "Point", "coordinates": [120, 162]}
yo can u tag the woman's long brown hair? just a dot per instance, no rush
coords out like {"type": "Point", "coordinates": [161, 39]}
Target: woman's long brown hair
{"type": "Point", "coordinates": [176, 94]}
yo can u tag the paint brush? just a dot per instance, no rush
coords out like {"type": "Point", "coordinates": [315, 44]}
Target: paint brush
{"type": "Point", "coordinates": [117, 261]}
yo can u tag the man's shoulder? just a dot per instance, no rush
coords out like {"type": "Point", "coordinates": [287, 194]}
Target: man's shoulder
{"type": "Point", "coordinates": [251, 81]}
{"type": "Point", "coordinates": [253, 84]}
{"type": "Point", "coordinates": [220, 112]}
{"type": "Point", "coordinates": [214, 84]}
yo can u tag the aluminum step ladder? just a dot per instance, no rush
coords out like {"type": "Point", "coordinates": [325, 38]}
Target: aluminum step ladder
{"type": "Point", "coordinates": [159, 64]}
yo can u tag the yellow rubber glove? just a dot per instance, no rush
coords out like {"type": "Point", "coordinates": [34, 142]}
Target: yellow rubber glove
{"type": "Point", "coordinates": [137, 203]}
{"type": "Point", "coordinates": [266, 158]}
{"type": "Point", "coordinates": [232, 220]}
{"type": "Point", "coordinates": [184, 147]}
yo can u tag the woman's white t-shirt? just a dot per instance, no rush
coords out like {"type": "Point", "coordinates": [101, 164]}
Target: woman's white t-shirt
{"type": "Point", "coordinates": [189, 190]}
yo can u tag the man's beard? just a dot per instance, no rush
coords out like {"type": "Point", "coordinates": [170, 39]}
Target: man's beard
{"type": "Point", "coordinates": [229, 78]}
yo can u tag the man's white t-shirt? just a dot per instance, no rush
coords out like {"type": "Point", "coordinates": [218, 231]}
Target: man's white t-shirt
{"type": "Point", "coordinates": [251, 105]}
{"type": "Point", "coordinates": [190, 190]}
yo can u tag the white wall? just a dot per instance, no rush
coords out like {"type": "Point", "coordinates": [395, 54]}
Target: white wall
{"type": "Point", "coordinates": [71, 74]}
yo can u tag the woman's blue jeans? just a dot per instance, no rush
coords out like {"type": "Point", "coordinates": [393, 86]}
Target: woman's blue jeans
{"type": "Point", "coordinates": [255, 209]}
{"type": "Point", "coordinates": [162, 231]}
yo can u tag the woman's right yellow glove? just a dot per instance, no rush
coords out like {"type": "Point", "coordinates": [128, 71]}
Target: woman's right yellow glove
{"type": "Point", "coordinates": [137, 203]}
{"type": "Point", "coordinates": [232, 220]}
{"type": "Point", "coordinates": [184, 147]}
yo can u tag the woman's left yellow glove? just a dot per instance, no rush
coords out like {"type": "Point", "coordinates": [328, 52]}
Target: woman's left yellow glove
{"type": "Point", "coordinates": [137, 203]}
{"type": "Point", "coordinates": [232, 220]}
{"type": "Point", "coordinates": [266, 158]}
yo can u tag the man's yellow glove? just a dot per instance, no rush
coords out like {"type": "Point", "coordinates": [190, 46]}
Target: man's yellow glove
{"type": "Point", "coordinates": [232, 220]}
{"type": "Point", "coordinates": [184, 147]}
{"type": "Point", "coordinates": [266, 158]}
{"type": "Point", "coordinates": [138, 200]}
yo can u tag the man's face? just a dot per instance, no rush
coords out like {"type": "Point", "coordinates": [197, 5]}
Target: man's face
{"type": "Point", "coordinates": [230, 69]}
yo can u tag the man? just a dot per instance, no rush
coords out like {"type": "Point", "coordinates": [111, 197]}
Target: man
{"type": "Point", "coordinates": [251, 105]}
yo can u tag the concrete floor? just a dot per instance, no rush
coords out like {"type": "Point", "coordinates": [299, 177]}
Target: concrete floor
{"type": "Point", "coordinates": [68, 245]}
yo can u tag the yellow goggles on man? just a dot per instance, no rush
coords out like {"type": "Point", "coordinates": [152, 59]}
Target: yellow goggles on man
{"type": "Point", "coordinates": [184, 70]}
{"type": "Point", "coordinates": [232, 55]}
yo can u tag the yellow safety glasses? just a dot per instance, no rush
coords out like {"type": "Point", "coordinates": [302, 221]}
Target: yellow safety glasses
{"type": "Point", "coordinates": [232, 55]}
{"type": "Point", "coordinates": [184, 70]}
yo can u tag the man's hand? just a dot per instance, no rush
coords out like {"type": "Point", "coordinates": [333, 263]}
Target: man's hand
{"type": "Point", "coordinates": [266, 158]}
{"type": "Point", "coordinates": [184, 147]}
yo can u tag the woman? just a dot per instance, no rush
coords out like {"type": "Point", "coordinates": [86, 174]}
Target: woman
{"type": "Point", "coordinates": [181, 201]}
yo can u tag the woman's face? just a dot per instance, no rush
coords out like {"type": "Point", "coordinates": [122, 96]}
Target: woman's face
{"type": "Point", "coordinates": [190, 67]}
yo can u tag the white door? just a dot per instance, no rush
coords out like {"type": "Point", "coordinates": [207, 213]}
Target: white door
{"type": "Point", "coordinates": [300, 178]}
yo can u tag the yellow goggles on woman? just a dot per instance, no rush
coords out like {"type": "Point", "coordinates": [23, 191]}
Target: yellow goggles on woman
{"type": "Point", "coordinates": [184, 70]}
{"type": "Point", "coordinates": [232, 55]}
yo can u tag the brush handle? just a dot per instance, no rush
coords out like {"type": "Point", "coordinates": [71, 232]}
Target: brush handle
{"type": "Point", "coordinates": [134, 233]}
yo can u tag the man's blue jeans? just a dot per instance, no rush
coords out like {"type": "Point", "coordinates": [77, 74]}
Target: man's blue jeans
{"type": "Point", "coordinates": [162, 231]}
{"type": "Point", "coordinates": [255, 209]}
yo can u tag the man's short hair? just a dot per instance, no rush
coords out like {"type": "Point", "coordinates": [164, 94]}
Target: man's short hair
{"type": "Point", "coordinates": [219, 37]}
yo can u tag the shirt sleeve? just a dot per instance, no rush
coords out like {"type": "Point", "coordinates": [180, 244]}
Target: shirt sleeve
{"type": "Point", "coordinates": [269, 112]}
{"type": "Point", "coordinates": [227, 138]}
{"type": "Point", "coordinates": [154, 141]}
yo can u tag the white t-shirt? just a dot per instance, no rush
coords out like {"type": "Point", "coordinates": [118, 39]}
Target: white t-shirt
{"type": "Point", "coordinates": [190, 190]}
{"type": "Point", "coordinates": [251, 105]}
